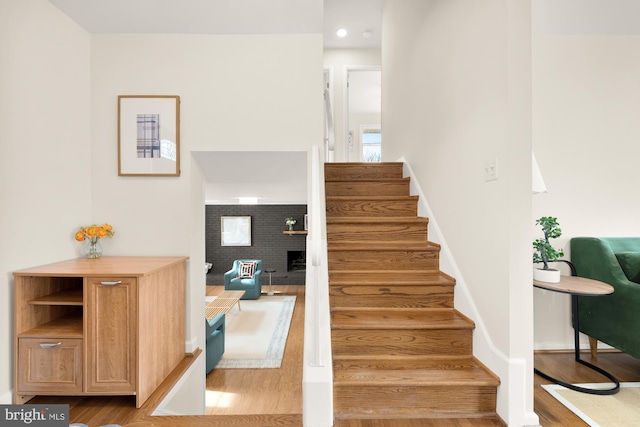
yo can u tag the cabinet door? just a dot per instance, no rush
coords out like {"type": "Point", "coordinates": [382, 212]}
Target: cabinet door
{"type": "Point", "coordinates": [111, 324]}
{"type": "Point", "coordinates": [49, 365]}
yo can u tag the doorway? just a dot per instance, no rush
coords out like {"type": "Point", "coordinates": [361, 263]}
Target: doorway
{"type": "Point", "coordinates": [363, 114]}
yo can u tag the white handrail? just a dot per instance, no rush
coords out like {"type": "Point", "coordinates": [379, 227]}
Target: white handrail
{"type": "Point", "coordinates": [317, 387]}
{"type": "Point", "coordinates": [330, 139]}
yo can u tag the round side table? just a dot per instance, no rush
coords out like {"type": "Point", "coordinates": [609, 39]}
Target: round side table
{"type": "Point", "coordinates": [270, 270]}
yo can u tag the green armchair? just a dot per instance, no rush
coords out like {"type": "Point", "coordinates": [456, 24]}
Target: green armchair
{"type": "Point", "coordinates": [613, 319]}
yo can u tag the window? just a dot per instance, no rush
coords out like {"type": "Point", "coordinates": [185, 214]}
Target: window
{"type": "Point", "coordinates": [371, 143]}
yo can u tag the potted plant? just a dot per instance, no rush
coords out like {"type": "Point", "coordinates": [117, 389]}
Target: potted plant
{"type": "Point", "coordinates": [545, 253]}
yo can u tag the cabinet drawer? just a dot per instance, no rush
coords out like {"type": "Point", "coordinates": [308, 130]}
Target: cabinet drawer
{"type": "Point", "coordinates": [49, 365]}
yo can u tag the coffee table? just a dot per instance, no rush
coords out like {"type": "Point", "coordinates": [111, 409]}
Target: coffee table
{"type": "Point", "coordinates": [579, 286]}
{"type": "Point", "coordinates": [223, 303]}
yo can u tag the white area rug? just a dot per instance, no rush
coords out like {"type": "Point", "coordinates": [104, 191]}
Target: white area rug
{"type": "Point", "coordinates": [255, 337]}
{"type": "Point", "coordinates": [616, 410]}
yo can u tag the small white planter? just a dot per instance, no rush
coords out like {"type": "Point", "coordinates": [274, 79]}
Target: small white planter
{"type": "Point", "coordinates": [549, 276]}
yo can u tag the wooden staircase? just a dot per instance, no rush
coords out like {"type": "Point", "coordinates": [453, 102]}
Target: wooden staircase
{"type": "Point", "coordinates": [401, 352]}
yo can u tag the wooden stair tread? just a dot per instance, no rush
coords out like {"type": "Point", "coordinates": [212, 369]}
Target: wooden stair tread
{"type": "Point", "coordinates": [478, 419]}
{"type": "Point", "coordinates": [360, 169]}
{"type": "Point", "coordinates": [364, 180]}
{"type": "Point", "coordinates": [398, 318]}
{"type": "Point", "coordinates": [412, 371]}
{"type": "Point", "coordinates": [402, 277]}
{"type": "Point", "coordinates": [417, 278]}
{"type": "Point", "coordinates": [371, 198]}
{"type": "Point", "coordinates": [402, 353]}
{"type": "Point", "coordinates": [377, 220]}
{"type": "Point", "coordinates": [382, 246]}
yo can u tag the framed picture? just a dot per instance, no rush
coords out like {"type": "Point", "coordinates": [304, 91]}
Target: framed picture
{"type": "Point", "coordinates": [235, 231]}
{"type": "Point", "coordinates": [148, 135]}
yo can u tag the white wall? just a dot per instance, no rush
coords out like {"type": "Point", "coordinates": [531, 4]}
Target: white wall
{"type": "Point", "coordinates": [339, 61]}
{"type": "Point", "coordinates": [45, 165]}
{"type": "Point", "coordinates": [238, 92]}
{"type": "Point", "coordinates": [586, 104]}
{"type": "Point", "coordinates": [456, 93]}
{"type": "Point", "coordinates": [59, 136]}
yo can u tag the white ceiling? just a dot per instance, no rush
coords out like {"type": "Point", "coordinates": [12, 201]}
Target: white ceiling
{"type": "Point", "coordinates": [233, 17]}
{"type": "Point", "coordinates": [273, 177]}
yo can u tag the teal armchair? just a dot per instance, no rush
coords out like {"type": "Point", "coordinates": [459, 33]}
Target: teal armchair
{"type": "Point", "coordinates": [613, 319]}
{"type": "Point", "coordinates": [214, 331]}
{"type": "Point", "coordinates": [251, 284]}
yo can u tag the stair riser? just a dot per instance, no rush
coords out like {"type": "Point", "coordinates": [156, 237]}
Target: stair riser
{"type": "Point", "coordinates": [367, 188]}
{"type": "Point", "coordinates": [413, 232]}
{"type": "Point", "coordinates": [401, 342]}
{"type": "Point", "coordinates": [343, 208]}
{"type": "Point", "coordinates": [385, 274]}
{"type": "Point", "coordinates": [396, 296]}
{"type": "Point", "coordinates": [383, 260]}
{"type": "Point", "coordinates": [437, 400]}
{"type": "Point", "coordinates": [399, 277]}
{"type": "Point", "coordinates": [362, 171]}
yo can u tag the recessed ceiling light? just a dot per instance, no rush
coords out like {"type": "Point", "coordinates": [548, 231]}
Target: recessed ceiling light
{"type": "Point", "coordinates": [248, 200]}
{"type": "Point", "coordinates": [341, 32]}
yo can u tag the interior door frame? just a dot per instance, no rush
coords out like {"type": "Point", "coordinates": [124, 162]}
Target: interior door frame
{"type": "Point", "coordinates": [345, 96]}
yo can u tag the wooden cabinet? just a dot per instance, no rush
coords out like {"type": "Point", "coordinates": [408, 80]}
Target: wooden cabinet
{"type": "Point", "coordinates": [110, 332]}
{"type": "Point", "coordinates": [50, 365]}
{"type": "Point", "coordinates": [113, 326]}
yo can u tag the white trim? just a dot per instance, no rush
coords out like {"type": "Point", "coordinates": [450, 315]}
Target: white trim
{"type": "Point", "coordinates": [345, 102]}
{"type": "Point", "coordinates": [512, 393]}
{"type": "Point", "coordinates": [177, 387]}
{"type": "Point", "coordinates": [191, 345]}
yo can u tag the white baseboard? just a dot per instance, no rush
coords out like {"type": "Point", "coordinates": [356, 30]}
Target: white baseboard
{"type": "Point", "coordinates": [191, 345]}
{"type": "Point", "coordinates": [512, 399]}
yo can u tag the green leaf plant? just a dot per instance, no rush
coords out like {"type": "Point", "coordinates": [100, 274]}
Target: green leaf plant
{"type": "Point", "coordinates": [543, 251]}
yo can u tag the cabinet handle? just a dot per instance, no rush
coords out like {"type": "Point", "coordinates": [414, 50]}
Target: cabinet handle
{"type": "Point", "coordinates": [117, 282]}
{"type": "Point", "coordinates": [50, 345]}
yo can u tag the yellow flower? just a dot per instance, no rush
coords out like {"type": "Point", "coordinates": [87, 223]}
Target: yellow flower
{"type": "Point", "coordinates": [79, 236]}
{"type": "Point", "coordinates": [102, 232]}
{"type": "Point", "coordinates": [107, 227]}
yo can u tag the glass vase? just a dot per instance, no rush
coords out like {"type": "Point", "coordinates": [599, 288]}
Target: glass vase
{"type": "Point", "coordinates": [93, 249]}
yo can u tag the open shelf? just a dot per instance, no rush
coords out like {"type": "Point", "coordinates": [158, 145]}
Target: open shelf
{"type": "Point", "coordinates": [69, 326]}
{"type": "Point", "coordinates": [67, 297]}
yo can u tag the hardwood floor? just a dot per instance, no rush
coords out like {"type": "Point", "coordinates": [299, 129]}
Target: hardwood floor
{"type": "Point", "coordinates": [562, 366]}
{"type": "Point", "coordinates": [274, 398]}
{"type": "Point", "coordinates": [262, 391]}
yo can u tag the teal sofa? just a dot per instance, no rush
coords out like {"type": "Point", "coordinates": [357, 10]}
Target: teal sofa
{"type": "Point", "coordinates": [613, 319]}
{"type": "Point", "coordinates": [214, 331]}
